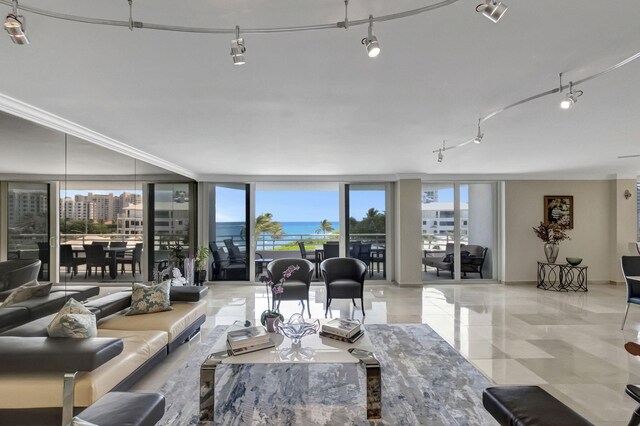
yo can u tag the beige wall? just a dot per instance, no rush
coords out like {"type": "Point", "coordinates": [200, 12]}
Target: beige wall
{"type": "Point", "coordinates": [604, 223]}
{"type": "Point", "coordinates": [408, 231]}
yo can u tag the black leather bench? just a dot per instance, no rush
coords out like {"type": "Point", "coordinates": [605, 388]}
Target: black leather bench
{"type": "Point", "coordinates": [125, 409]}
{"type": "Point", "coordinates": [528, 406]}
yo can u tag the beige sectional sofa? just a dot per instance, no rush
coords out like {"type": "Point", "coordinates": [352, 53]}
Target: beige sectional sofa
{"type": "Point", "coordinates": [146, 339]}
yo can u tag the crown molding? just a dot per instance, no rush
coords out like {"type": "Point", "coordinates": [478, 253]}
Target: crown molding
{"type": "Point", "coordinates": [44, 118]}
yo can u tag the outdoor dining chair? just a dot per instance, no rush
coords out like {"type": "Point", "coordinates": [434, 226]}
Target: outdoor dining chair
{"type": "Point", "coordinates": [95, 258]}
{"type": "Point", "coordinates": [631, 268]}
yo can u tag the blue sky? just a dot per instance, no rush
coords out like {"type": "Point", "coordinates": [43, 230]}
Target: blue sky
{"type": "Point", "coordinates": [295, 206]}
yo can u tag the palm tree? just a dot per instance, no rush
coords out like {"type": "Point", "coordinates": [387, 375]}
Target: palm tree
{"type": "Point", "coordinates": [372, 212]}
{"type": "Point", "coordinates": [266, 225]}
{"type": "Point", "coordinates": [325, 226]}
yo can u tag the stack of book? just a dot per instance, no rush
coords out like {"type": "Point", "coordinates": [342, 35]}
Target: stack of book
{"type": "Point", "coordinates": [342, 329]}
{"type": "Point", "coordinates": [247, 340]}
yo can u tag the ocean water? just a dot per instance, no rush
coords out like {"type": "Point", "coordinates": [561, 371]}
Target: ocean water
{"type": "Point", "coordinates": [291, 230]}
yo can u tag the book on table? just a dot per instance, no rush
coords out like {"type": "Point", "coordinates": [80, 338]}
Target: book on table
{"type": "Point", "coordinates": [342, 327]}
{"type": "Point", "coordinates": [246, 337]}
{"type": "Point", "coordinates": [351, 339]}
{"type": "Point", "coordinates": [253, 348]}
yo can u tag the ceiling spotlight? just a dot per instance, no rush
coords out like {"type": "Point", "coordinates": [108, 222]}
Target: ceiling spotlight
{"type": "Point", "coordinates": [14, 25]}
{"type": "Point", "coordinates": [571, 97]}
{"type": "Point", "coordinates": [440, 156]}
{"type": "Point", "coordinates": [492, 9]}
{"type": "Point", "coordinates": [479, 136]}
{"type": "Point", "coordinates": [238, 49]}
{"type": "Point", "coordinates": [371, 41]}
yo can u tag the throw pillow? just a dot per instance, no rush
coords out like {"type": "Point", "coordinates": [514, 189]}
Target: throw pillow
{"type": "Point", "coordinates": [149, 299]}
{"type": "Point", "coordinates": [27, 291]}
{"type": "Point", "coordinates": [73, 320]}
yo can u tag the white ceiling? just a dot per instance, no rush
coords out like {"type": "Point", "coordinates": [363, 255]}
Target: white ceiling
{"type": "Point", "coordinates": [313, 103]}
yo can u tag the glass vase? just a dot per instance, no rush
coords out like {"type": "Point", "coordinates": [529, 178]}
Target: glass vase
{"type": "Point", "coordinates": [551, 251]}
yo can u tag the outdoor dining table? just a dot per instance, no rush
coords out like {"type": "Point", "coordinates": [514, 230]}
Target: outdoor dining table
{"type": "Point", "coordinates": [112, 253]}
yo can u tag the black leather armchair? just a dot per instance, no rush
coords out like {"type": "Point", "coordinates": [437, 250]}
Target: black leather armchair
{"type": "Point", "coordinates": [344, 279]}
{"type": "Point", "coordinates": [297, 286]}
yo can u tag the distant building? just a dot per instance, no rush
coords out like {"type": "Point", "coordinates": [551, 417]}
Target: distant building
{"type": "Point", "coordinates": [97, 207]}
{"type": "Point", "coordinates": [27, 201]}
{"type": "Point", "coordinates": [438, 218]}
{"type": "Point", "coordinates": [130, 221]}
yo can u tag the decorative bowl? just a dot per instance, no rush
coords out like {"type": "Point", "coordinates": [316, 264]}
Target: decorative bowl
{"type": "Point", "coordinates": [574, 261]}
{"type": "Point", "coordinates": [296, 328]}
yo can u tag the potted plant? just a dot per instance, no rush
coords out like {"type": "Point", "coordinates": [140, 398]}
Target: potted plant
{"type": "Point", "coordinates": [270, 316]}
{"type": "Point", "coordinates": [176, 255]}
{"type": "Point", "coordinates": [202, 255]}
{"type": "Point", "coordinates": [551, 234]}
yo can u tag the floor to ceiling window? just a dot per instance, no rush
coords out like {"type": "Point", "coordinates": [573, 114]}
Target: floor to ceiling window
{"type": "Point", "coordinates": [228, 232]}
{"type": "Point", "coordinates": [458, 231]}
{"type": "Point", "coordinates": [366, 226]}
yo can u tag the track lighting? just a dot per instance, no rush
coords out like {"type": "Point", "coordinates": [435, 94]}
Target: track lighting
{"type": "Point", "coordinates": [440, 156]}
{"type": "Point", "coordinates": [15, 26]}
{"type": "Point", "coordinates": [479, 136]}
{"type": "Point", "coordinates": [571, 97]}
{"type": "Point", "coordinates": [371, 41]}
{"type": "Point", "coordinates": [492, 9]}
{"type": "Point", "coordinates": [238, 49]}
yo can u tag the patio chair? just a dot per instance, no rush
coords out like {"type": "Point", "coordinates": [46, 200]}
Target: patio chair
{"type": "Point", "coordinates": [297, 286]}
{"type": "Point", "coordinates": [364, 254]}
{"type": "Point", "coordinates": [224, 269]}
{"type": "Point", "coordinates": [235, 254]}
{"type": "Point", "coordinates": [132, 259]}
{"type": "Point", "coordinates": [118, 244]}
{"type": "Point", "coordinates": [474, 261]}
{"type": "Point", "coordinates": [344, 279]}
{"type": "Point", "coordinates": [69, 261]}
{"type": "Point", "coordinates": [96, 258]}
{"type": "Point", "coordinates": [631, 268]}
{"type": "Point", "coordinates": [43, 255]}
{"type": "Point", "coordinates": [303, 251]}
{"type": "Point", "coordinates": [331, 250]}
{"type": "Point", "coordinates": [101, 243]}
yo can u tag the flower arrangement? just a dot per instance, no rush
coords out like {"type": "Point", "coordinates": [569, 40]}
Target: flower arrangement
{"type": "Point", "coordinates": [551, 232]}
{"type": "Point", "coordinates": [275, 289]}
{"type": "Point", "coordinates": [172, 274]}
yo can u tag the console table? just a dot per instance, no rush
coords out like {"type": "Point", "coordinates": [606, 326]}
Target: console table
{"type": "Point", "coordinates": [561, 277]}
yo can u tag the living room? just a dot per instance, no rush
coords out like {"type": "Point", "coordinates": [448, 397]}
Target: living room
{"type": "Point", "coordinates": [95, 123]}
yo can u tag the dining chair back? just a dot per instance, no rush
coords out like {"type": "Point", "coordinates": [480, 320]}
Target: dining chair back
{"type": "Point", "coordinates": [303, 250]}
{"type": "Point", "coordinates": [631, 268]}
{"type": "Point", "coordinates": [235, 254]}
{"type": "Point", "coordinates": [100, 243]}
{"type": "Point", "coordinates": [331, 250]}
{"type": "Point", "coordinates": [95, 258]}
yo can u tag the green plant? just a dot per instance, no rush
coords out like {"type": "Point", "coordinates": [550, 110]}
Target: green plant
{"type": "Point", "coordinates": [202, 255]}
{"type": "Point", "coordinates": [176, 254]}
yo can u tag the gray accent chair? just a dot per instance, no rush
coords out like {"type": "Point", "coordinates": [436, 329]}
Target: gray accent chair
{"type": "Point", "coordinates": [296, 287]}
{"type": "Point", "coordinates": [344, 279]}
{"type": "Point", "coordinates": [14, 273]}
{"type": "Point", "coordinates": [631, 268]}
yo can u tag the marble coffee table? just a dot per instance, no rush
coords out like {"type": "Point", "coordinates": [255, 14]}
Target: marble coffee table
{"type": "Point", "coordinates": [312, 349]}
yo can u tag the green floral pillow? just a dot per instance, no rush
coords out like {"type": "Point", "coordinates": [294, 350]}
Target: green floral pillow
{"type": "Point", "coordinates": [73, 320]}
{"type": "Point", "coordinates": [27, 291]}
{"type": "Point", "coordinates": [149, 299]}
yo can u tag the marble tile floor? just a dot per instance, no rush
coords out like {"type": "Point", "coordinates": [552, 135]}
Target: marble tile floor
{"type": "Point", "coordinates": [568, 343]}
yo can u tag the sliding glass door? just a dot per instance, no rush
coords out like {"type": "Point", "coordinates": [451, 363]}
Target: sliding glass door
{"type": "Point", "coordinates": [28, 233]}
{"type": "Point", "coordinates": [366, 226]}
{"type": "Point", "coordinates": [458, 231]}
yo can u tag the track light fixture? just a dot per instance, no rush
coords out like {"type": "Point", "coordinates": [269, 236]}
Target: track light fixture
{"type": "Point", "coordinates": [371, 41]}
{"type": "Point", "coordinates": [440, 156]}
{"type": "Point", "coordinates": [571, 97]}
{"type": "Point", "coordinates": [479, 136]}
{"type": "Point", "coordinates": [492, 9]}
{"type": "Point", "coordinates": [238, 49]}
{"type": "Point", "coordinates": [15, 26]}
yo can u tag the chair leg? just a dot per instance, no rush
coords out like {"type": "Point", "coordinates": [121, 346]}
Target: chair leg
{"type": "Point", "coordinates": [362, 304]}
{"type": "Point", "coordinates": [308, 308]}
{"type": "Point", "coordinates": [635, 417]}
{"type": "Point", "coordinates": [354, 302]}
{"type": "Point", "coordinates": [625, 317]}
{"type": "Point", "coordinates": [481, 277]}
{"type": "Point", "coordinates": [327, 308]}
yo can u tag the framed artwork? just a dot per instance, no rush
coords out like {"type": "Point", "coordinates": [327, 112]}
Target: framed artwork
{"type": "Point", "coordinates": [559, 209]}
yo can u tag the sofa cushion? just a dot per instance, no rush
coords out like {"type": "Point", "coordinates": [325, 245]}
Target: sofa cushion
{"type": "Point", "coordinates": [35, 328]}
{"type": "Point", "coordinates": [81, 292]}
{"type": "Point", "coordinates": [149, 299]}
{"type": "Point", "coordinates": [73, 320]}
{"type": "Point", "coordinates": [31, 390]}
{"type": "Point", "coordinates": [110, 304]}
{"type": "Point", "coordinates": [27, 291]}
{"type": "Point", "coordinates": [344, 288]}
{"type": "Point", "coordinates": [172, 322]}
{"type": "Point", "coordinates": [41, 306]}
{"type": "Point", "coordinates": [12, 315]}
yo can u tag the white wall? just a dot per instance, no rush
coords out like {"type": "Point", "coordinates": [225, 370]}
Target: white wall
{"type": "Point", "coordinates": [599, 221]}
